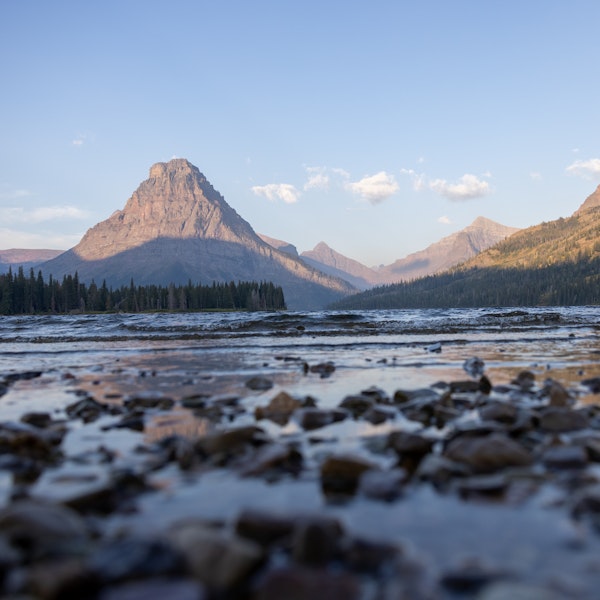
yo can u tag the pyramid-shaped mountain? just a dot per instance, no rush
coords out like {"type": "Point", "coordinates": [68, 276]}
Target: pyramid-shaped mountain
{"type": "Point", "coordinates": [176, 227]}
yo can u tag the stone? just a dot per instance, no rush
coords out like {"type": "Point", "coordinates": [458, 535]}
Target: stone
{"type": "Point", "coordinates": [315, 541]}
{"type": "Point", "coordinates": [558, 395]}
{"type": "Point", "coordinates": [323, 369]}
{"type": "Point", "coordinates": [315, 418]}
{"type": "Point", "coordinates": [219, 560]}
{"type": "Point", "coordinates": [502, 412]}
{"type": "Point", "coordinates": [279, 409]}
{"type": "Point", "coordinates": [273, 459]}
{"type": "Point", "coordinates": [525, 380]}
{"type": "Point", "coordinates": [514, 590]}
{"type": "Point", "coordinates": [340, 475]}
{"type": "Point", "coordinates": [86, 409]}
{"type": "Point", "coordinates": [565, 457]}
{"type": "Point", "coordinates": [489, 453]}
{"type": "Point", "coordinates": [231, 441]}
{"type": "Point", "coordinates": [558, 420]}
{"type": "Point", "coordinates": [155, 588]}
{"type": "Point", "coordinates": [43, 529]}
{"type": "Point", "coordinates": [302, 583]}
{"type": "Point", "coordinates": [259, 383]}
{"type": "Point", "coordinates": [357, 404]}
{"type": "Point", "coordinates": [383, 485]}
{"type": "Point", "coordinates": [264, 527]}
{"type": "Point", "coordinates": [147, 400]}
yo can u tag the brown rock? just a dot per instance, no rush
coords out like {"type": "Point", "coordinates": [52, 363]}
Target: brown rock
{"type": "Point", "coordinates": [487, 454]}
{"type": "Point", "coordinates": [558, 420]}
{"type": "Point", "coordinates": [341, 474]}
{"type": "Point", "coordinates": [279, 409]}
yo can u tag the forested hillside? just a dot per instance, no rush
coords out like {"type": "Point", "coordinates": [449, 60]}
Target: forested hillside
{"type": "Point", "coordinates": [32, 295]}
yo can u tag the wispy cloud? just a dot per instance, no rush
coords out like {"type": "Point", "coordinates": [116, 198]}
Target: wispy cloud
{"type": "Point", "coordinates": [18, 214]}
{"type": "Point", "coordinates": [317, 178]}
{"type": "Point", "coordinates": [535, 175]}
{"type": "Point", "coordinates": [9, 193]}
{"type": "Point", "coordinates": [278, 191]}
{"type": "Point", "coordinates": [12, 238]}
{"type": "Point", "coordinates": [375, 188]}
{"type": "Point", "coordinates": [419, 181]}
{"type": "Point", "coordinates": [82, 138]}
{"type": "Point", "coordinates": [445, 220]}
{"type": "Point", "coordinates": [589, 169]}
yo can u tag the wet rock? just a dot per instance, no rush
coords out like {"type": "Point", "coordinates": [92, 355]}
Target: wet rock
{"type": "Point", "coordinates": [483, 486]}
{"type": "Point", "coordinates": [23, 376]}
{"type": "Point", "coordinates": [524, 380]}
{"type": "Point", "coordinates": [220, 447]}
{"type": "Point", "coordinates": [279, 409]}
{"type": "Point", "coordinates": [301, 583]}
{"type": "Point", "coordinates": [502, 412]}
{"type": "Point", "coordinates": [263, 527]}
{"type": "Point", "coordinates": [558, 395]}
{"type": "Point", "coordinates": [136, 421]}
{"type": "Point", "coordinates": [131, 558]}
{"type": "Point", "coordinates": [487, 454]}
{"type": "Point", "coordinates": [513, 590]}
{"type": "Point", "coordinates": [87, 409]}
{"type": "Point", "coordinates": [440, 471]}
{"type": "Point", "coordinates": [593, 384]}
{"type": "Point", "coordinates": [195, 401]}
{"type": "Point", "coordinates": [259, 384]}
{"type": "Point", "coordinates": [340, 475]}
{"type": "Point", "coordinates": [379, 414]}
{"type": "Point", "coordinates": [410, 447]}
{"type": "Point", "coordinates": [422, 395]}
{"type": "Point", "coordinates": [41, 420]}
{"type": "Point", "coordinates": [368, 556]}
{"type": "Point", "coordinates": [221, 561]}
{"type": "Point", "coordinates": [155, 588]}
{"type": "Point", "coordinates": [376, 394]}
{"type": "Point", "coordinates": [27, 441]}
{"type": "Point", "coordinates": [41, 529]}
{"type": "Point", "coordinates": [57, 579]}
{"type": "Point", "coordinates": [323, 369]}
{"type": "Point", "coordinates": [357, 404]}
{"type": "Point", "coordinates": [558, 420]}
{"type": "Point", "coordinates": [464, 387]}
{"type": "Point", "coordinates": [273, 459]}
{"type": "Point", "coordinates": [148, 400]}
{"type": "Point", "coordinates": [315, 418]}
{"type": "Point", "coordinates": [383, 485]}
{"type": "Point", "coordinates": [315, 541]}
{"type": "Point", "coordinates": [469, 578]}
{"type": "Point", "coordinates": [565, 457]}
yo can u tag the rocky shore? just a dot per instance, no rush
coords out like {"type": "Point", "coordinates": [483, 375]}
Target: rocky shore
{"type": "Point", "coordinates": [148, 484]}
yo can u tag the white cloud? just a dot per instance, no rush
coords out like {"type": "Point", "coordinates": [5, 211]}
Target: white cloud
{"type": "Point", "coordinates": [278, 191]}
{"type": "Point", "coordinates": [12, 238]}
{"type": "Point", "coordinates": [317, 178]}
{"type": "Point", "coordinates": [375, 188]}
{"type": "Point", "coordinates": [466, 188]}
{"type": "Point", "coordinates": [445, 220]}
{"type": "Point", "coordinates": [17, 214]}
{"type": "Point", "coordinates": [589, 169]}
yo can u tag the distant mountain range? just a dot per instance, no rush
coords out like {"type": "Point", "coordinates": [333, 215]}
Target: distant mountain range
{"type": "Point", "coordinates": [448, 252]}
{"type": "Point", "coordinates": [554, 263]}
{"type": "Point", "coordinates": [27, 259]}
{"type": "Point", "coordinates": [176, 227]}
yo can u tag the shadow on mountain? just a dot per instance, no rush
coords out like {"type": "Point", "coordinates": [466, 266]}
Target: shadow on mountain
{"type": "Point", "coordinates": [172, 260]}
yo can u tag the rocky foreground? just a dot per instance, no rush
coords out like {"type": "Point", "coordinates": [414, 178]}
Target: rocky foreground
{"type": "Point", "coordinates": [104, 497]}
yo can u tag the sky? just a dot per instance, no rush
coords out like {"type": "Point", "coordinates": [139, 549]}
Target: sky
{"type": "Point", "coordinates": [376, 126]}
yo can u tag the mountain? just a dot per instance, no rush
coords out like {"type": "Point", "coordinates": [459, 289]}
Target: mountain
{"type": "Point", "coordinates": [551, 264]}
{"type": "Point", "coordinates": [448, 252]}
{"type": "Point", "coordinates": [326, 259]}
{"type": "Point", "coordinates": [177, 227]}
{"type": "Point", "coordinates": [279, 245]}
{"type": "Point", "coordinates": [20, 257]}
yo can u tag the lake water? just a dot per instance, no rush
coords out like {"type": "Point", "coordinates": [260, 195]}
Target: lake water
{"type": "Point", "coordinates": [215, 354]}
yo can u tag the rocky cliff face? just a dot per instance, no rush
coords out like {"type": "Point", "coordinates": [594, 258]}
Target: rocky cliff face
{"type": "Point", "coordinates": [592, 201]}
{"type": "Point", "coordinates": [176, 227]}
{"type": "Point", "coordinates": [448, 252]}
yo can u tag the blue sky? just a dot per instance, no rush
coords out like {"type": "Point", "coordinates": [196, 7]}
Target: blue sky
{"type": "Point", "coordinates": [378, 127]}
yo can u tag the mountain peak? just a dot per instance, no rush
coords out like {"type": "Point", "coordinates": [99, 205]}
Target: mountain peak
{"type": "Point", "coordinates": [175, 165]}
{"type": "Point", "coordinates": [591, 201]}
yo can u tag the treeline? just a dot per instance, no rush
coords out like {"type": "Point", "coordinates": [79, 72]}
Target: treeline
{"type": "Point", "coordinates": [565, 284]}
{"type": "Point", "coordinates": [21, 294]}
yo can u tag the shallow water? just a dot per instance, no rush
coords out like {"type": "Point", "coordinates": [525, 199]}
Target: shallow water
{"type": "Point", "coordinates": [178, 355]}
